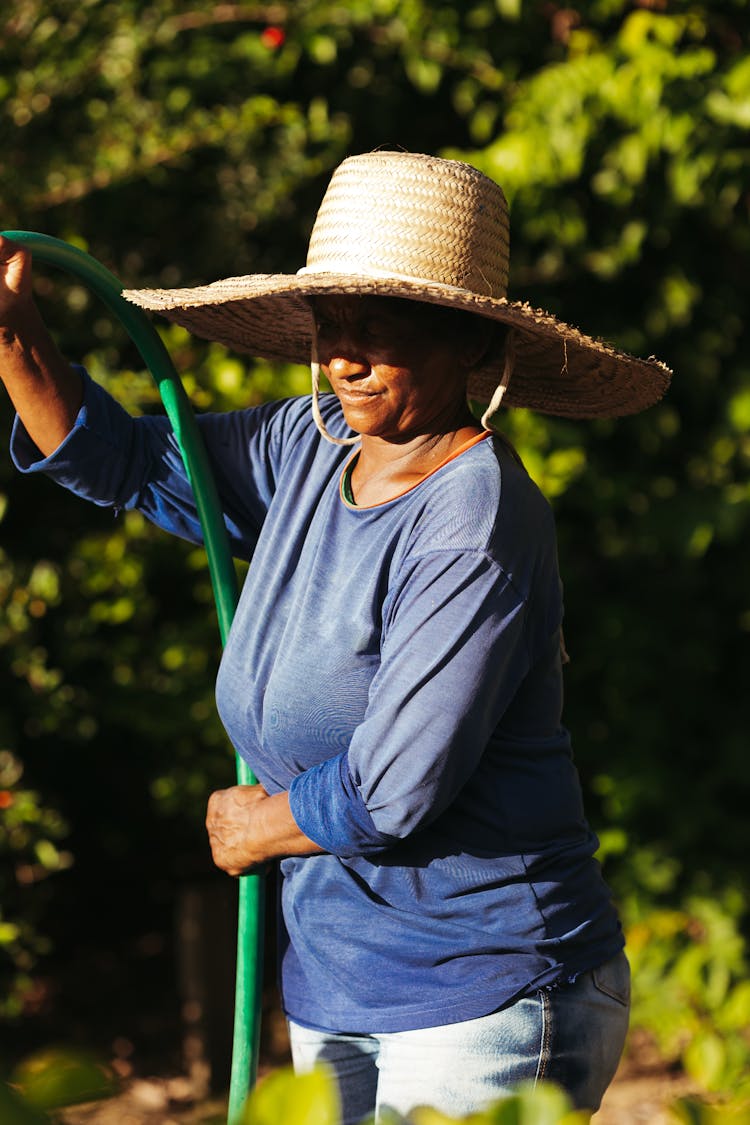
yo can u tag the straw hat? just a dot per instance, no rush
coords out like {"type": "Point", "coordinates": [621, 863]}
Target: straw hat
{"type": "Point", "coordinates": [400, 224]}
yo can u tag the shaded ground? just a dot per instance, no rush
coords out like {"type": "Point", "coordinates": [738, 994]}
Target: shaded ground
{"type": "Point", "coordinates": [641, 1096]}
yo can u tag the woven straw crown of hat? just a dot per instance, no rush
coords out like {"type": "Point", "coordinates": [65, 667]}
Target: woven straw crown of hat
{"type": "Point", "coordinates": [436, 220]}
{"type": "Point", "coordinates": [401, 224]}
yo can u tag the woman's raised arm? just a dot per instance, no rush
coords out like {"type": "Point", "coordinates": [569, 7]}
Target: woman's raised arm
{"type": "Point", "coordinates": [45, 390]}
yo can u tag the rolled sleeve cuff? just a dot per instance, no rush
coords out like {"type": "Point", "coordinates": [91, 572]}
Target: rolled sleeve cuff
{"type": "Point", "coordinates": [328, 807]}
{"type": "Point", "coordinates": [89, 460]}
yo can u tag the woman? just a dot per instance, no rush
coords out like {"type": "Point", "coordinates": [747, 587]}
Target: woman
{"type": "Point", "coordinates": [393, 674]}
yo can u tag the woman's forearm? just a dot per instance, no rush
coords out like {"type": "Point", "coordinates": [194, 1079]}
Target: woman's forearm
{"type": "Point", "coordinates": [45, 390]}
{"type": "Point", "coordinates": [247, 828]}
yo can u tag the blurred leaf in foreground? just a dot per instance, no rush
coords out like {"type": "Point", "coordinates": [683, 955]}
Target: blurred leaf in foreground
{"type": "Point", "coordinates": [59, 1077]}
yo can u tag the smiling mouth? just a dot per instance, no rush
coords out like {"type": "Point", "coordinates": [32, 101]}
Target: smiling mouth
{"type": "Point", "coordinates": [356, 394]}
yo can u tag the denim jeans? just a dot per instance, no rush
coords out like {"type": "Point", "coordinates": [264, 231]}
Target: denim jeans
{"type": "Point", "coordinates": [572, 1035]}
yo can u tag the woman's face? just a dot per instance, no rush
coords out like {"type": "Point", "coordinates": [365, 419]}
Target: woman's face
{"type": "Point", "coordinates": [395, 366]}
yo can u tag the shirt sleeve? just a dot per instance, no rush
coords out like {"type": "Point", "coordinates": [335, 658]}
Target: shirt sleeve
{"type": "Point", "coordinates": [455, 650]}
{"type": "Point", "coordinates": [115, 460]}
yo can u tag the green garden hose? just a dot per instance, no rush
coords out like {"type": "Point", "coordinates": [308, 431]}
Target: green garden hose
{"type": "Point", "coordinates": [223, 578]}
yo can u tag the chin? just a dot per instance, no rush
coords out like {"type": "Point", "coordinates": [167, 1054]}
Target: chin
{"type": "Point", "coordinates": [360, 419]}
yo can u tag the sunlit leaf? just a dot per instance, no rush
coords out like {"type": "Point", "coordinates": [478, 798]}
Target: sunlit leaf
{"type": "Point", "coordinates": [307, 1099]}
{"type": "Point", "coordinates": [54, 1078]}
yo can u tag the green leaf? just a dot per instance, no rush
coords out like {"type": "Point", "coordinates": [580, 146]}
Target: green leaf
{"type": "Point", "coordinates": [695, 1111]}
{"type": "Point", "coordinates": [15, 1111]}
{"type": "Point", "coordinates": [426, 1115]}
{"type": "Point", "coordinates": [739, 410]}
{"type": "Point", "coordinates": [304, 1099]}
{"type": "Point", "coordinates": [509, 9]}
{"type": "Point", "coordinates": [705, 1059]}
{"type": "Point", "coordinates": [53, 1078]}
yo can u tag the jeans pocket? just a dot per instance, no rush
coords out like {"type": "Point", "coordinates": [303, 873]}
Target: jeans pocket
{"type": "Point", "coordinates": [613, 979]}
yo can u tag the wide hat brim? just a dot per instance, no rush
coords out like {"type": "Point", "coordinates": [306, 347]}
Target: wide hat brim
{"type": "Point", "coordinates": [556, 370]}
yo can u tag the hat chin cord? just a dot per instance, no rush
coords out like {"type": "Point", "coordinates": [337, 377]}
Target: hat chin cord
{"type": "Point", "coordinates": [317, 416]}
{"type": "Point", "coordinates": [499, 392]}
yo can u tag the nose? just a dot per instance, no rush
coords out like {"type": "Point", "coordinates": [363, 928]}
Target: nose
{"type": "Point", "coordinates": [345, 363]}
{"type": "Point", "coordinates": [341, 348]}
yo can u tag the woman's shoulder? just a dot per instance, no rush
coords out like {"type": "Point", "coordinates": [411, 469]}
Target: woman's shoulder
{"type": "Point", "coordinates": [484, 500]}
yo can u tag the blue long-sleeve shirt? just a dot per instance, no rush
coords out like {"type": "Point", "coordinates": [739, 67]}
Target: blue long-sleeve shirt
{"type": "Point", "coordinates": [396, 668]}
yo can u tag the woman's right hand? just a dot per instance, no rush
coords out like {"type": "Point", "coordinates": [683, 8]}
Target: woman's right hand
{"type": "Point", "coordinates": [44, 389]}
{"type": "Point", "coordinates": [15, 281]}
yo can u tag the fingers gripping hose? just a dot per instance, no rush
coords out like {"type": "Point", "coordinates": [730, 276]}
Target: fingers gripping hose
{"type": "Point", "coordinates": [221, 568]}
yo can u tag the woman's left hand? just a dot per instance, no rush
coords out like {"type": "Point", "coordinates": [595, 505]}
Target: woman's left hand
{"type": "Point", "coordinates": [234, 821]}
{"type": "Point", "coordinates": [247, 828]}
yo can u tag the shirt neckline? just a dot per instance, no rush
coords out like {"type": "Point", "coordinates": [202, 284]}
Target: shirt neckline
{"type": "Point", "coordinates": [345, 490]}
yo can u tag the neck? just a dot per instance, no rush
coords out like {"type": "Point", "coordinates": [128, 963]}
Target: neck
{"type": "Point", "coordinates": [387, 467]}
{"type": "Point", "coordinates": [417, 454]}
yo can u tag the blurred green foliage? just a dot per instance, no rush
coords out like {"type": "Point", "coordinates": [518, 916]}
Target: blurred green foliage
{"type": "Point", "coordinates": [49, 1080]}
{"type": "Point", "coordinates": [183, 143]}
{"type": "Point", "coordinates": [312, 1099]}
{"type": "Point", "coordinates": [53, 1078]}
{"type": "Point", "coordinates": [28, 845]}
{"type": "Point", "coordinates": [16, 1111]}
{"type": "Point", "coordinates": [693, 992]}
